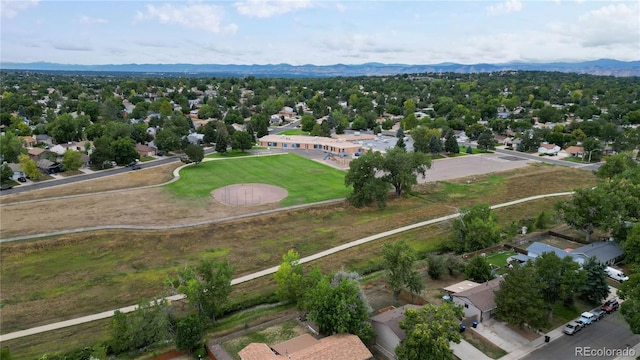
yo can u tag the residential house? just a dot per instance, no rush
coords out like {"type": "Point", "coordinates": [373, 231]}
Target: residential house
{"type": "Point", "coordinates": [275, 119]}
{"type": "Point", "coordinates": [44, 139]}
{"type": "Point", "coordinates": [17, 171]}
{"type": "Point", "coordinates": [461, 286]}
{"type": "Point", "coordinates": [145, 150]}
{"type": "Point", "coordinates": [606, 252]}
{"type": "Point", "coordinates": [306, 347]}
{"type": "Point", "coordinates": [36, 153]}
{"type": "Point", "coordinates": [478, 302]}
{"type": "Point", "coordinates": [195, 138]}
{"type": "Point", "coordinates": [29, 141]}
{"type": "Point", "coordinates": [48, 166]}
{"type": "Point", "coordinates": [549, 149]}
{"type": "Point", "coordinates": [58, 149]}
{"type": "Point", "coordinates": [387, 327]}
{"type": "Point", "coordinates": [575, 151]}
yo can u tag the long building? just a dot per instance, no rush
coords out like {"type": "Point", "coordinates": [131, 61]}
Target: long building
{"type": "Point", "coordinates": [339, 147]}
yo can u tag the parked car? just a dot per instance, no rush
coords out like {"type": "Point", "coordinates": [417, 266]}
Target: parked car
{"type": "Point", "coordinates": [22, 179]}
{"type": "Point", "coordinates": [572, 328]}
{"type": "Point", "coordinates": [587, 318]}
{"type": "Point", "coordinates": [599, 313]}
{"type": "Point", "coordinates": [6, 187]}
{"type": "Point", "coordinates": [136, 167]}
{"type": "Point", "coordinates": [610, 306]}
{"type": "Point", "coordinates": [616, 274]}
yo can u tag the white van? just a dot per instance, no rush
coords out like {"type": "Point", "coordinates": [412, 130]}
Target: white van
{"type": "Point", "coordinates": [616, 274]}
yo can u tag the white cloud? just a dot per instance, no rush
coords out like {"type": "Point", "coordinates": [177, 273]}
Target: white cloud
{"type": "Point", "coordinates": [341, 7]}
{"type": "Point", "coordinates": [10, 8]}
{"type": "Point", "coordinates": [194, 16]}
{"type": "Point", "coordinates": [505, 7]}
{"type": "Point", "coordinates": [87, 20]}
{"type": "Point", "coordinates": [268, 8]}
{"type": "Point", "coordinates": [612, 24]}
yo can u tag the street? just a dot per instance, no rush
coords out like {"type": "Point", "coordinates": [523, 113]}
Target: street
{"type": "Point", "coordinates": [610, 333]}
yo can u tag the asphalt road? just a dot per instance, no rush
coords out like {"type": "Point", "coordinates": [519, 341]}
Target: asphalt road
{"type": "Point", "coordinates": [611, 332]}
{"type": "Point", "coordinates": [549, 159]}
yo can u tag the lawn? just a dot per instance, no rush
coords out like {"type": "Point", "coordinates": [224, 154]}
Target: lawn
{"type": "Point", "coordinates": [294, 132]}
{"type": "Point", "coordinates": [270, 336]}
{"type": "Point", "coordinates": [463, 149]}
{"type": "Point", "coordinates": [305, 180]}
{"type": "Point", "coordinates": [482, 344]}
{"type": "Point", "coordinates": [228, 154]}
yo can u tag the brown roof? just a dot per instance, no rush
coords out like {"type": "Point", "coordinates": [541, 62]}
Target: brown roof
{"type": "Point", "coordinates": [335, 347]}
{"type": "Point", "coordinates": [392, 319]}
{"type": "Point", "coordinates": [482, 296]}
{"type": "Point", "coordinates": [144, 148]}
{"type": "Point", "coordinates": [296, 344]}
{"type": "Point", "coordinates": [36, 151]}
{"type": "Point", "coordinates": [575, 149]}
{"type": "Point", "coordinates": [548, 146]}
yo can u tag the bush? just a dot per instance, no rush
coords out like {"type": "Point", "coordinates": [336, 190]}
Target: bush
{"type": "Point", "coordinates": [436, 267]}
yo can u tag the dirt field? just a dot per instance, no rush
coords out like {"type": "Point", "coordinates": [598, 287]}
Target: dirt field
{"type": "Point", "coordinates": [249, 194]}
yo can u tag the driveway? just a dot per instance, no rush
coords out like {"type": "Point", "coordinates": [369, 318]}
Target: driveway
{"type": "Point", "coordinates": [500, 335]}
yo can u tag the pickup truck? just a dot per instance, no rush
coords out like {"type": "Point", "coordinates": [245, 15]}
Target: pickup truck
{"type": "Point", "coordinates": [587, 318]}
{"type": "Point", "coordinates": [610, 306]}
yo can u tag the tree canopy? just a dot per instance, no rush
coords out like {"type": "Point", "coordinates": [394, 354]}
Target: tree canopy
{"type": "Point", "coordinates": [476, 228]}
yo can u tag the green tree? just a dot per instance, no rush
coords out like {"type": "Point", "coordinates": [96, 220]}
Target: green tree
{"type": "Point", "coordinates": [195, 153]}
{"type": "Point", "coordinates": [64, 129]}
{"type": "Point", "coordinates": [167, 140]}
{"type": "Point", "coordinates": [420, 139]}
{"type": "Point", "coordinates": [616, 165]}
{"type": "Point", "coordinates": [631, 245]}
{"type": "Point", "coordinates": [519, 300]}
{"type": "Point", "coordinates": [436, 266]}
{"type": "Point", "coordinates": [337, 305]}
{"type": "Point", "coordinates": [476, 228]}
{"type": "Point", "coordinates": [478, 269]}
{"type": "Point", "coordinates": [206, 286]}
{"type": "Point", "coordinates": [11, 147]}
{"type": "Point", "coordinates": [400, 143]}
{"type": "Point", "coordinates": [560, 278]}
{"type": "Point", "coordinates": [290, 279]}
{"type": "Point", "coordinates": [401, 168]}
{"type": "Point", "coordinates": [124, 150]}
{"type": "Point", "coordinates": [588, 209]}
{"type": "Point", "coordinates": [630, 292]}
{"type": "Point", "coordinates": [188, 333]}
{"type": "Point", "coordinates": [307, 121]}
{"type": "Point", "coordinates": [451, 145]}
{"type": "Point", "coordinates": [430, 331]}
{"type": "Point", "coordinates": [6, 173]}
{"type": "Point", "coordinates": [72, 160]}
{"type": "Point", "coordinates": [485, 141]}
{"type": "Point", "coordinates": [399, 258]}
{"type": "Point", "coordinates": [595, 288]}
{"type": "Point", "coordinates": [435, 145]}
{"type": "Point", "coordinates": [102, 153]}
{"type": "Point", "coordinates": [145, 326]}
{"type": "Point", "coordinates": [222, 138]}
{"type": "Point", "coordinates": [592, 149]}
{"type": "Point", "coordinates": [409, 122]}
{"type": "Point", "coordinates": [29, 167]}
{"type": "Point", "coordinates": [367, 186]}
{"type": "Point", "coordinates": [242, 141]}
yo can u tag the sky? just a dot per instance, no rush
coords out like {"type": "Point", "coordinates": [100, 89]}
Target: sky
{"type": "Point", "coordinates": [319, 32]}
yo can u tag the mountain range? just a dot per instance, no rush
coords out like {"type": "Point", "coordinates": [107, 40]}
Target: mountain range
{"type": "Point", "coordinates": [607, 67]}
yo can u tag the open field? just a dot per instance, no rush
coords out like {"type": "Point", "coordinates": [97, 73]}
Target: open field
{"type": "Point", "coordinates": [305, 180]}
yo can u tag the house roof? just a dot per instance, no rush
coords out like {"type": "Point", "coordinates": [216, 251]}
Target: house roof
{"type": "Point", "coordinates": [144, 148]}
{"type": "Point", "coordinates": [45, 164]}
{"type": "Point", "coordinates": [575, 149]}
{"type": "Point", "coordinates": [549, 146]}
{"type": "Point", "coordinates": [296, 344]}
{"type": "Point", "coordinates": [392, 318]}
{"type": "Point", "coordinates": [335, 347]}
{"type": "Point", "coordinates": [461, 286]}
{"type": "Point", "coordinates": [36, 151]}
{"type": "Point", "coordinates": [483, 296]}
{"type": "Point", "coordinates": [604, 251]}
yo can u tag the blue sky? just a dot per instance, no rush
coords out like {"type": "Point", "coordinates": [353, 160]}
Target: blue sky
{"type": "Point", "coordinates": [317, 32]}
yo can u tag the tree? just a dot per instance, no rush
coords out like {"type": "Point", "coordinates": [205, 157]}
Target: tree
{"type": "Point", "coordinates": [6, 173]}
{"type": "Point", "coordinates": [195, 153]}
{"type": "Point", "coordinates": [588, 209]}
{"type": "Point", "coordinates": [399, 259]}
{"type": "Point", "coordinates": [11, 147]}
{"type": "Point", "coordinates": [478, 269]}
{"type": "Point", "coordinates": [337, 305]}
{"type": "Point", "coordinates": [485, 141]}
{"type": "Point", "coordinates": [630, 292]}
{"type": "Point", "coordinates": [72, 160]}
{"type": "Point", "coordinates": [241, 141]}
{"type": "Point", "coordinates": [436, 266]}
{"type": "Point", "coordinates": [188, 333]}
{"type": "Point", "coordinates": [595, 288]}
{"type": "Point", "coordinates": [409, 122]}
{"type": "Point", "coordinates": [64, 129]}
{"type": "Point", "coordinates": [146, 325]}
{"type": "Point", "coordinates": [451, 145]}
{"type": "Point", "coordinates": [429, 332]}
{"type": "Point", "coordinates": [476, 228]}
{"type": "Point", "coordinates": [619, 164]}
{"type": "Point", "coordinates": [631, 245]}
{"type": "Point", "coordinates": [124, 151]}
{"type": "Point", "coordinates": [435, 145]}
{"type": "Point", "coordinates": [222, 138]}
{"type": "Point", "coordinates": [206, 286]}
{"type": "Point", "coordinates": [560, 278]}
{"type": "Point", "coordinates": [289, 278]}
{"type": "Point", "coordinates": [401, 168]}
{"type": "Point", "coordinates": [400, 143]}
{"type": "Point", "coordinates": [367, 185]}
{"type": "Point", "coordinates": [420, 139]}
{"type": "Point", "coordinates": [593, 148]}
{"type": "Point", "coordinates": [519, 300]}
{"type": "Point", "coordinates": [29, 167]}
{"type": "Point", "coordinates": [102, 153]}
{"type": "Point", "coordinates": [307, 121]}
{"type": "Point", "coordinates": [167, 140]}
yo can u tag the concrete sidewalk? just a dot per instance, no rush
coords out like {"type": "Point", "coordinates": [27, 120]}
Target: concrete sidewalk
{"type": "Point", "coordinates": [466, 351]}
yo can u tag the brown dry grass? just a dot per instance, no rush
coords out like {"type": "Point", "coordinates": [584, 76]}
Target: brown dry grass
{"type": "Point", "coordinates": [64, 277]}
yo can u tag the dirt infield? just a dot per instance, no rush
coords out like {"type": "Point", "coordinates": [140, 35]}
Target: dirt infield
{"type": "Point", "coordinates": [249, 194]}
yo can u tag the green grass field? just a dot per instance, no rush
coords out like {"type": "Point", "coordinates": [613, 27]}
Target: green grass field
{"type": "Point", "coordinates": [306, 181]}
{"type": "Point", "coordinates": [294, 132]}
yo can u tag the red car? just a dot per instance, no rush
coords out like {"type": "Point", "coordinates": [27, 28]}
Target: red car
{"type": "Point", "coordinates": [610, 306]}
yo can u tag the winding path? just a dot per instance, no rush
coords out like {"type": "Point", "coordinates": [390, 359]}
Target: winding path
{"type": "Point", "coordinates": [271, 270]}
